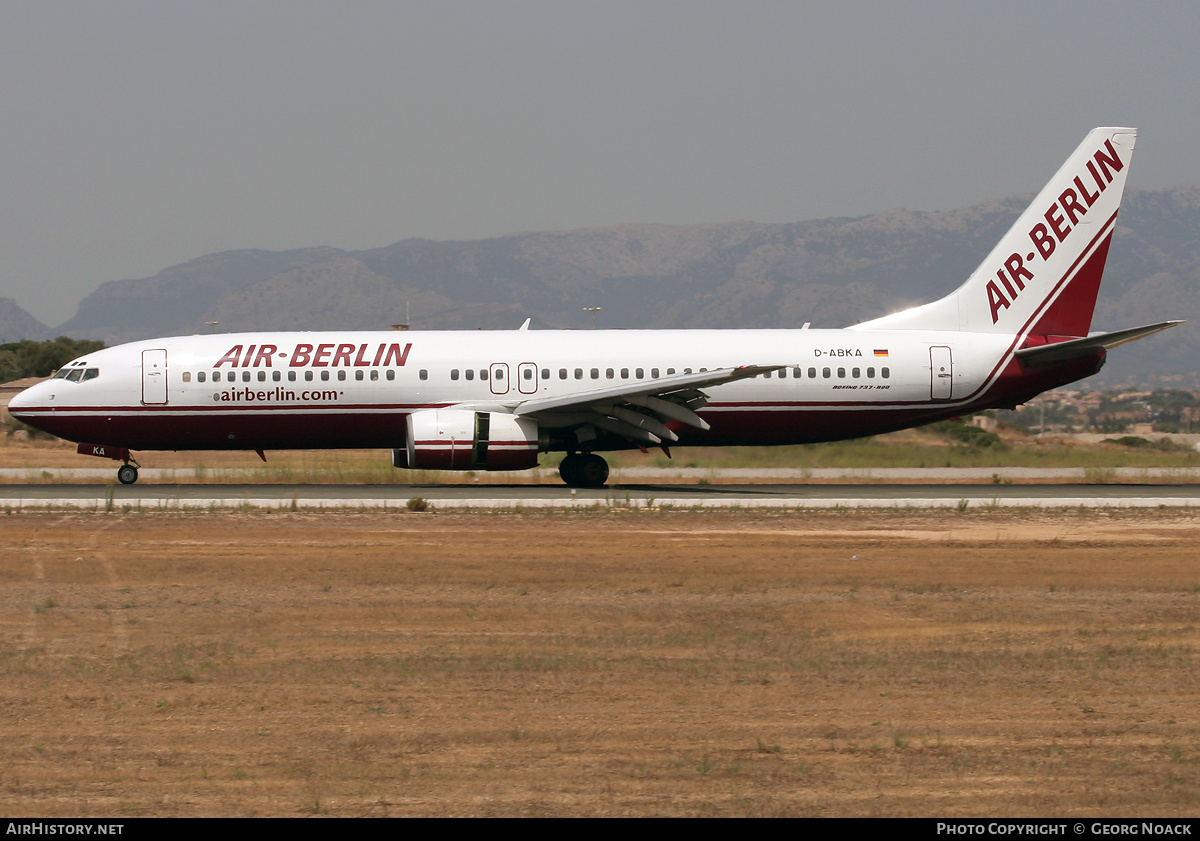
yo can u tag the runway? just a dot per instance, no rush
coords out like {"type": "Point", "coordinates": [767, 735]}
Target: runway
{"type": "Point", "coordinates": [472, 496]}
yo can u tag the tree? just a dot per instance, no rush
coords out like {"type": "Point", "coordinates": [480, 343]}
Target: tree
{"type": "Point", "coordinates": [40, 359]}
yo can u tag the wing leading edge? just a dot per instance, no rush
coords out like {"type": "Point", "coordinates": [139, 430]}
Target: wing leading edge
{"type": "Point", "coordinates": [638, 410]}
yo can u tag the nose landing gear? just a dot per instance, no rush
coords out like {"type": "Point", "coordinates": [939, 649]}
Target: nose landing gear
{"type": "Point", "coordinates": [127, 473]}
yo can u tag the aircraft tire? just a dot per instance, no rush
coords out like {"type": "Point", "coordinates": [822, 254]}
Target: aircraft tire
{"type": "Point", "coordinates": [593, 471]}
{"type": "Point", "coordinates": [568, 469]}
{"type": "Point", "coordinates": [127, 474]}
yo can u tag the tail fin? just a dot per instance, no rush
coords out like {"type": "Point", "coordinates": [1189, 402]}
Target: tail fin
{"type": "Point", "coordinates": [1043, 276]}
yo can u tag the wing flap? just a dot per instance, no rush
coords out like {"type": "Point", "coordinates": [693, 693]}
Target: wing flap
{"type": "Point", "coordinates": [630, 392]}
{"type": "Point", "coordinates": [638, 411]}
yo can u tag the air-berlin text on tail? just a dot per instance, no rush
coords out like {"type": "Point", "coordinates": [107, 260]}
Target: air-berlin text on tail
{"type": "Point", "coordinates": [328, 355]}
{"type": "Point", "coordinates": [1072, 205]}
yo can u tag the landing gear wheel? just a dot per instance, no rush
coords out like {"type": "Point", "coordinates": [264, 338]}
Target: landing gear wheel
{"type": "Point", "coordinates": [569, 469]}
{"type": "Point", "coordinates": [593, 471]}
{"type": "Point", "coordinates": [127, 474]}
{"type": "Point", "coordinates": [584, 470]}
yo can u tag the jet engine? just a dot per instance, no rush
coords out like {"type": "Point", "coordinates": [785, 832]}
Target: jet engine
{"type": "Point", "coordinates": [459, 439]}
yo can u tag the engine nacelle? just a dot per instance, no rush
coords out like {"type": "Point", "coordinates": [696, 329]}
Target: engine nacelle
{"type": "Point", "coordinates": [459, 439]}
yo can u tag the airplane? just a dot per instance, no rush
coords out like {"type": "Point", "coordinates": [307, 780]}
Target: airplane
{"type": "Point", "coordinates": [496, 400]}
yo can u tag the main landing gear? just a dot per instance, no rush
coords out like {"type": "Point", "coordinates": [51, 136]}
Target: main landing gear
{"type": "Point", "coordinates": [584, 470]}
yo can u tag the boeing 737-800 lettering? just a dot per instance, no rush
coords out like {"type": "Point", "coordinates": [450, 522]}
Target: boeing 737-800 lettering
{"type": "Point", "coordinates": [1018, 326]}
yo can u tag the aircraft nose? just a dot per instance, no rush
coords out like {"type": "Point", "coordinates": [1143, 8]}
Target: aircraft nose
{"type": "Point", "coordinates": [30, 398]}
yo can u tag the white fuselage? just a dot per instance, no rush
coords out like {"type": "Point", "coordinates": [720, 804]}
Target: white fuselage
{"type": "Point", "coordinates": [286, 390]}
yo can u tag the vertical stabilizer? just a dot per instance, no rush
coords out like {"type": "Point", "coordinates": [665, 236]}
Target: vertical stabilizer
{"type": "Point", "coordinates": [1044, 275]}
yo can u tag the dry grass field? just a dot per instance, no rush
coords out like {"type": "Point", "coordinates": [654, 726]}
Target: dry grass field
{"type": "Point", "coordinates": [613, 662]}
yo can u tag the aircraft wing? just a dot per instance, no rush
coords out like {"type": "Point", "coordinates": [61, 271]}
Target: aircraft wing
{"type": "Point", "coordinates": [637, 410]}
{"type": "Point", "coordinates": [1063, 351]}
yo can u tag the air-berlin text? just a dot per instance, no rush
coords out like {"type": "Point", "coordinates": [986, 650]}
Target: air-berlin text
{"type": "Point", "coordinates": [318, 356]}
{"type": "Point", "coordinates": [1063, 214]}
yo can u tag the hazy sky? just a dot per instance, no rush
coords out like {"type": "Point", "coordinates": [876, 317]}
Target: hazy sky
{"type": "Point", "coordinates": [136, 135]}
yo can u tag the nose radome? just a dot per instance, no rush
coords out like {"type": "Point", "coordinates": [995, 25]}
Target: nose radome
{"type": "Point", "coordinates": [27, 399]}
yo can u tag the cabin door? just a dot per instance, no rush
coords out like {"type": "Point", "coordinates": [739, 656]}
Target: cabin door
{"type": "Point", "coordinates": [154, 377]}
{"type": "Point", "coordinates": [499, 377]}
{"type": "Point", "coordinates": [527, 378]}
{"type": "Point", "coordinates": [941, 370]}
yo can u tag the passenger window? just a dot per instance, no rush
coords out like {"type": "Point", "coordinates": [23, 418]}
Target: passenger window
{"type": "Point", "coordinates": [545, 373]}
{"type": "Point", "coordinates": [562, 373]}
{"type": "Point", "coordinates": [825, 373]}
{"type": "Point", "coordinates": [654, 373]}
{"type": "Point", "coordinates": [595, 373]}
{"type": "Point", "coordinates": [262, 376]}
{"type": "Point", "coordinates": [483, 373]}
{"type": "Point", "coordinates": [624, 373]}
{"type": "Point", "coordinates": [216, 376]}
{"type": "Point", "coordinates": [291, 376]}
{"type": "Point", "coordinates": [245, 376]}
{"type": "Point", "coordinates": [375, 375]}
{"type": "Point", "coordinates": [856, 372]}
{"type": "Point", "coordinates": [308, 376]}
{"type": "Point", "coordinates": [454, 374]}
{"type": "Point", "coordinates": [797, 373]}
{"type": "Point", "coordinates": [358, 374]}
{"type": "Point", "coordinates": [424, 374]}
{"type": "Point", "coordinates": [527, 373]}
{"type": "Point", "coordinates": [276, 376]}
{"type": "Point", "coordinates": [391, 374]}
{"type": "Point", "coordinates": [325, 376]}
{"type": "Point", "coordinates": [200, 377]}
{"type": "Point", "coordinates": [469, 373]}
{"type": "Point", "coordinates": [608, 373]}
{"type": "Point", "coordinates": [579, 373]}
{"type": "Point", "coordinates": [870, 373]}
{"type": "Point", "coordinates": [499, 375]}
{"type": "Point", "coordinates": [670, 371]}
{"type": "Point", "coordinates": [885, 372]}
{"type": "Point", "coordinates": [187, 376]}
{"type": "Point", "coordinates": [812, 373]}
{"type": "Point", "coordinates": [640, 373]}
{"type": "Point", "coordinates": [841, 373]}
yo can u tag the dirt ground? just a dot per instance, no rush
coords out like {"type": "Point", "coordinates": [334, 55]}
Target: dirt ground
{"type": "Point", "coordinates": [987, 663]}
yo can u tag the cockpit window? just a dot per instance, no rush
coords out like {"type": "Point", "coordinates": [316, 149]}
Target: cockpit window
{"type": "Point", "coordinates": [77, 375]}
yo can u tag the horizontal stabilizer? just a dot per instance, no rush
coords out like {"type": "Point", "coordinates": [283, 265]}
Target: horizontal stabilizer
{"type": "Point", "coordinates": [1076, 348]}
